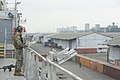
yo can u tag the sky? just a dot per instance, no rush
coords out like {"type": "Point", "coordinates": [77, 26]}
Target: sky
{"type": "Point", "coordinates": [48, 15]}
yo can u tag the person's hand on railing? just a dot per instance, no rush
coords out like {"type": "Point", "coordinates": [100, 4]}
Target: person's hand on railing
{"type": "Point", "coordinates": [31, 43]}
{"type": "Point", "coordinates": [26, 46]}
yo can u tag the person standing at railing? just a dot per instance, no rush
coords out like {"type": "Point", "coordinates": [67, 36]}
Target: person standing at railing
{"type": "Point", "coordinates": [19, 45]}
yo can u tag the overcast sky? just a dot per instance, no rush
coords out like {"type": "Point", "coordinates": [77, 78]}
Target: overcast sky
{"type": "Point", "coordinates": [48, 15]}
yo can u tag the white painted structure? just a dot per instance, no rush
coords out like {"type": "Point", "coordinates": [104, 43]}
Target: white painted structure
{"type": "Point", "coordinates": [87, 27]}
{"type": "Point", "coordinates": [93, 40]}
{"type": "Point", "coordinates": [114, 53]}
{"type": "Point", "coordinates": [86, 40]}
{"type": "Point", "coordinates": [47, 70]}
{"type": "Point", "coordinates": [114, 50]}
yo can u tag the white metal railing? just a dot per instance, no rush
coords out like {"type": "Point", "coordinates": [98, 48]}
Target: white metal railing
{"type": "Point", "coordinates": [32, 71]}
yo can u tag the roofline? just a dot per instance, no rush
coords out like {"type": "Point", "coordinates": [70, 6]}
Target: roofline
{"type": "Point", "coordinates": [103, 34]}
{"type": "Point", "coordinates": [80, 35]}
{"type": "Point", "coordinates": [64, 39]}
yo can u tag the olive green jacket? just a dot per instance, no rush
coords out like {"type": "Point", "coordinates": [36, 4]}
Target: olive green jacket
{"type": "Point", "coordinates": [18, 42]}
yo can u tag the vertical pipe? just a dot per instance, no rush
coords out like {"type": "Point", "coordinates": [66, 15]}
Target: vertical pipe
{"type": "Point", "coordinates": [54, 76]}
{"type": "Point", "coordinates": [29, 76]}
{"type": "Point", "coordinates": [26, 65]}
{"type": "Point", "coordinates": [49, 71]}
{"type": "Point", "coordinates": [24, 59]}
{"type": "Point", "coordinates": [15, 9]}
{"type": "Point", "coordinates": [5, 43]}
{"type": "Point", "coordinates": [37, 67]}
{"type": "Point", "coordinates": [43, 74]}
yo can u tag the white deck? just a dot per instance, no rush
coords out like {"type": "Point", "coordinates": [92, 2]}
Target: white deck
{"type": "Point", "coordinates": [8, 75]}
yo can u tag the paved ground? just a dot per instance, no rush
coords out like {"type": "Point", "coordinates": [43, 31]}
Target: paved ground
{"type": "Point", "coordinates": [98, 56]}
{"type": "Point", "coordinates": [84, 72]}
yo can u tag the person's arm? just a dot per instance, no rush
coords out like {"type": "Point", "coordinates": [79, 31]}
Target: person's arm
{"type": "Point", "coordinates": [20, 43]}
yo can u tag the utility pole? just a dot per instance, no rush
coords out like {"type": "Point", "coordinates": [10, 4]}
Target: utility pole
{"type": "Point", "coordinates": [16, 14]}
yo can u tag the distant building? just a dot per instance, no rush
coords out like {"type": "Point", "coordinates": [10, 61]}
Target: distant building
{"type": "Point", "coordinates": [87, 27]}
{"type": "Point", "coordinates": [67, 29]}
{"type": "Point", "coordinates": [113, 28]}
{"type": "Point", "coordinates": [97, 27]}
{"type": "Point", "coordinates": [83, 42]}
{"type": "Point", "coordinates": [102, 29]}
{"type": "Point", "coordinates": [110, 28]}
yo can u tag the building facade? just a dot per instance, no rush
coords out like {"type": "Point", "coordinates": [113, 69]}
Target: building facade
{"type": "Point", "coordinates": [114, 50]}
{"type": "Point", "coordinates": [93, 40]}
{"type": "Point", "coordinates": [78, 41]}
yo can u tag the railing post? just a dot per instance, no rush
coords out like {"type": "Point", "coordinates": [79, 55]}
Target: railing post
{"type": "Point", "coordinates": [31, 72]}
{"type": "Point", "coordinates": [49, 71]}
{"type": "Point", "coordinates": [37, 66]}
{"type": "Point", "coordinates": [43, 70]}
{"type": "Point", "coordinates": [24, 59]}
{"type": "Point", "coordinates": [28, 64]}
{"type": "Point", "coordinates": [54, 76]}
{"type": "Point", "coordinates": [52, 69]}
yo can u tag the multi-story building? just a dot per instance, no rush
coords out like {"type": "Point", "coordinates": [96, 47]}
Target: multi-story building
{"type": "Point", "coordinates": [110, 28]}
{"type": "Point", "coordinates": [87, 27]}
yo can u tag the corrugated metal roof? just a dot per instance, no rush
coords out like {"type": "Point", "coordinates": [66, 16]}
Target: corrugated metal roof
{"type": "Point", "coordinates": [111, 34]}
{"type": "Point", "coordinates": [113, 42]}
{"type": "Point", "coordinates": [69, 36]}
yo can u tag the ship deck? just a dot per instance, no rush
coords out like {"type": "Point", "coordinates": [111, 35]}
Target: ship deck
{"type": "Point", "coordinates": [83, 72]}
{"type": "Point", "coordinates": [8, 75]}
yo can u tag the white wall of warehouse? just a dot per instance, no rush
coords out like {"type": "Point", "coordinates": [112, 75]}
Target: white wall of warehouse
{"type": "Point", "coordinates": [114, 53]}
{"type": "Point", "coordinates": [91, 40]}
{"type": "Point", "coordinates": [88, 41]}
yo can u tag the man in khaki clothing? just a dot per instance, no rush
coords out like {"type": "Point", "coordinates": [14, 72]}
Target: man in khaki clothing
{"type": "Point", "coordinates": [19, 45]}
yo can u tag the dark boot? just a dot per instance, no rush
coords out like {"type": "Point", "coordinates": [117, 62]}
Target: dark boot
{"type": "Point", "coordinates": [18, 73]}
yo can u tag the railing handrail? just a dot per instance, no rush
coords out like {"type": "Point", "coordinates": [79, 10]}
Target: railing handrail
{"type": "Point", "coordinates": [56, 65]}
